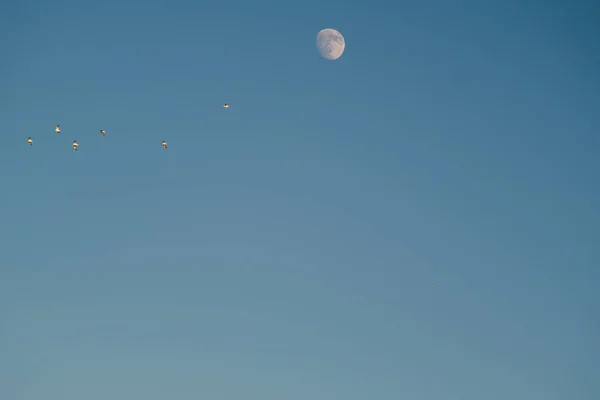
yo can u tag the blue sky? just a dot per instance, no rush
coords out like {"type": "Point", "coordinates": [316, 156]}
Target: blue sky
{"type": "Point", "coordinates": [285, 248]}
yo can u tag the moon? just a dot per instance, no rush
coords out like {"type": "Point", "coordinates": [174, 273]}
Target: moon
{"type": "Point", "coordinates": [330, 44]}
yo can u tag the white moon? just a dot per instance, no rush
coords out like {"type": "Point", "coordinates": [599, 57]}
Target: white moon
{"type": "Point", "coordinates": [330, 44]}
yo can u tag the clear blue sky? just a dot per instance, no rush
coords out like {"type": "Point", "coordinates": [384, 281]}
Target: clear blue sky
{"type": "Point", "coordinates": [285, 248]}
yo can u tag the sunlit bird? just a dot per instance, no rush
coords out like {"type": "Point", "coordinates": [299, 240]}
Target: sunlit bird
{"type": "Point", "coordinates": [57, 130]}
{"type": "Point", "coordinates": [30, 141]}
{"type": "Point", "coordinates": [75, 145]}
{"type": "Point", "coordinates": [225, 105]}
{"type": "Point", "coordinates": [164, 144]}
{"type": "Point", "coordinates": [102, 132]}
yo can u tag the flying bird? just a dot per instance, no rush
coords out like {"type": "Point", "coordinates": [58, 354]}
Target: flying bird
{"type": "Point", "coordinates": [102, 132]}
{"type": "Point", "coordinates": [75, 145]}
{"type": "Point", "coordinates": [164, 144]}
{"type": "Point", "coordinates": [57, 129]}
{"type": "Point", "coordinates": [30, 141]}
{"type": "Point", "coordinates": [432, 286]}
{"type": "Point", "coordinates": [225, 105]}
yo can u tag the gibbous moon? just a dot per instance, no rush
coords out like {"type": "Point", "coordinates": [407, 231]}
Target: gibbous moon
{"type": "Point", "coordinates": [330, 44]}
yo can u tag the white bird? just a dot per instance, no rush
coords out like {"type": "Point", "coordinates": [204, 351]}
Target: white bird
{"type": "Point", "coordinates": [226, 105]}
{"type": "Point", "coordinates": [164, 144]}
{"type": "Point", "coordinates": [75, 145]}
{"type": "Point", "coordinates": [57, 129]}
{"type": "Point", "coordinates": [30, 141]}
{"type": "Point", "coordinates": [102, 132]}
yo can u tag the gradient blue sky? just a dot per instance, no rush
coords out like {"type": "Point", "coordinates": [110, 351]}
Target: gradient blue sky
{"type": "Point", "coordinates": [285, 248]}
